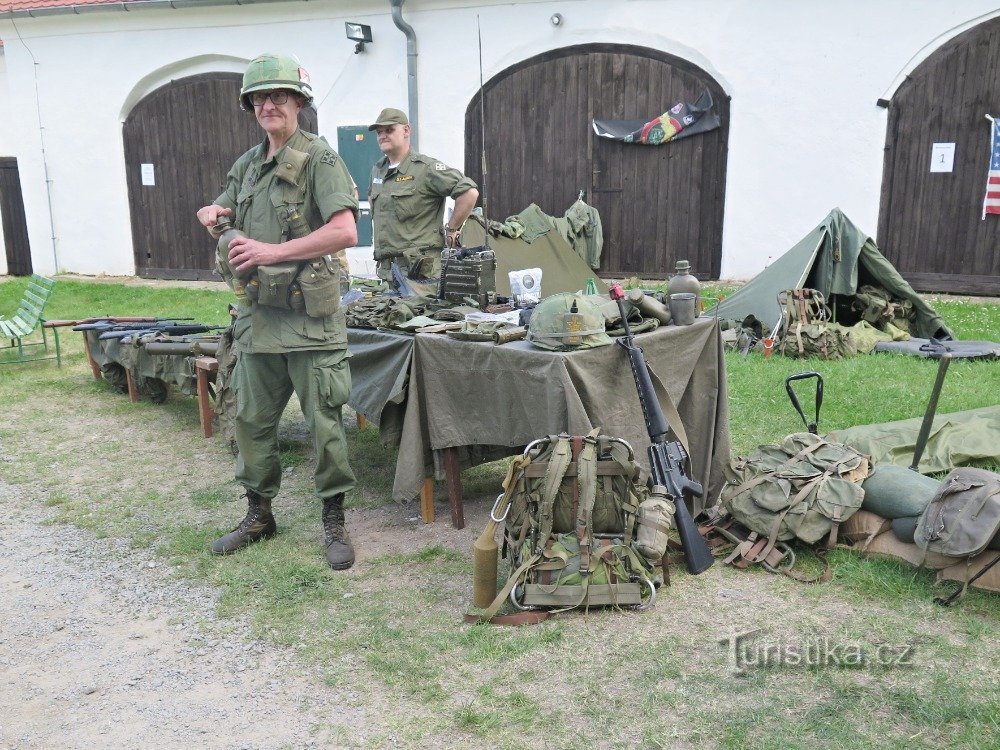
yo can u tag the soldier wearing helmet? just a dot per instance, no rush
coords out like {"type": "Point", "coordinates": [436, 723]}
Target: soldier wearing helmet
{"type": "Point", "coordinates": [407, 195]}
{"type": "Point", "coordinates": [291, 196]}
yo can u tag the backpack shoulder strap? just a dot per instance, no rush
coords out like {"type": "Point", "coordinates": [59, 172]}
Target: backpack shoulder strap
{"type": "Point", "coordinates": [558, 464]}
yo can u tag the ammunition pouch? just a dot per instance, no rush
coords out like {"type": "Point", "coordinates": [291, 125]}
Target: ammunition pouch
{"type": "Point", "coordinates": [319, 282]}
{"type": "Point", "coordinates": [312, 287]}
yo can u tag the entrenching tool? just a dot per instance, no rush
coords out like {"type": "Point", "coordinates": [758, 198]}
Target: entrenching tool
{"type": "Point", "coordinates": [813, 426]}
{"type": "Point", "coordinates": [925, 426]}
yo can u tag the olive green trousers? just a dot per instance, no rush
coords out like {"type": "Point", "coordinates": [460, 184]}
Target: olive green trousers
{"type": "Point", "coordinates": [263, 385]}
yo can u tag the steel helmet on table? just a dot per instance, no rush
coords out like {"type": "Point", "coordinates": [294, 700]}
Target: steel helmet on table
{"type": "Point", "coordinates": [547, 326]}
{"type": "Point", "coordinates": [269, 71]}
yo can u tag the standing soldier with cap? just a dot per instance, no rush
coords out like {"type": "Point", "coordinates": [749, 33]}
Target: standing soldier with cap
{"type": "Point", "coordinates": [291, 196]}
{"type": "Point", "coordinates": [407, 197]}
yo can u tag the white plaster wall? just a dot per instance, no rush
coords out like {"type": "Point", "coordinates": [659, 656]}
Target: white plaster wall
{"type": "Point", "coordinates": [805, 134]}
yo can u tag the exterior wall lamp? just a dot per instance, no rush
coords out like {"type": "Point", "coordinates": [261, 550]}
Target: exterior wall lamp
{"type": "Point", "coordinates": [359, 33]}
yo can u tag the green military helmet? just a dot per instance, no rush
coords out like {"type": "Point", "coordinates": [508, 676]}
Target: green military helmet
{"type": "Point", "coordinates": [269, 71]}
{"type": "Point", "coordinates": [567, 321]}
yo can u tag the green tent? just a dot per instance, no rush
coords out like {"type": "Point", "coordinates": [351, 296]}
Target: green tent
{"type": "Point", "coordinates": [562, 269]}
{"type": "Point", "coordinates": [836, 258]}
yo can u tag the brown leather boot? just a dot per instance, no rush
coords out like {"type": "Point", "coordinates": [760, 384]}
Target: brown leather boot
{"type": "Point", "coordinates": [258, 524]}
{"type": "Point", "coordinates": [339, 550]}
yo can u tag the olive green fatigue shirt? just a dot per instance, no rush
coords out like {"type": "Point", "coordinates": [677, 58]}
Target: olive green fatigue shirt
{"type": "Point", "coordinates": [408, 204]}
{"type": "Point", "coordinates": [305, 173]}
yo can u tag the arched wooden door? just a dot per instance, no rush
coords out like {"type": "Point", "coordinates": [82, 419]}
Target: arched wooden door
{"type": "Point", "coordinates": [188, 133]}
{"type": "Point", "coordinates": [15, 227]}
{"type": "Point", "coordinates": [657, 204]}
{"type": "Point", "coordinates": [930, 222]}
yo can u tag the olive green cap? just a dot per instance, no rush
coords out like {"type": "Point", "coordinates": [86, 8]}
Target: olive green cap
{"type": "Point", "coordinates": [389, 116]}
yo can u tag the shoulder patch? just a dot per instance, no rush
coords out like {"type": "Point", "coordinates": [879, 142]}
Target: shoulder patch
{"type": "Point", "coordinates": [440, 167]}
{"type": "Point", "coordinates": [328, 157]}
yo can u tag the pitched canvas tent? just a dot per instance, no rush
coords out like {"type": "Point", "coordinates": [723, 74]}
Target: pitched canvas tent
{"type": "Point", "coordinates": [836, 258]}
{"type": "Point", "coordinates": [563, 270]}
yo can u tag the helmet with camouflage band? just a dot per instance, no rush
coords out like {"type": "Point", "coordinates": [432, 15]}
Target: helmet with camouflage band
{"type": "Point", "coordinates": [567, 321]}
{"type": "Point", "coordinates": [267, 72]}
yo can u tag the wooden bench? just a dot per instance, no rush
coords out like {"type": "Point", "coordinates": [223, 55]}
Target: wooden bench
{"type": "Point", "coordinates": [27, 320]}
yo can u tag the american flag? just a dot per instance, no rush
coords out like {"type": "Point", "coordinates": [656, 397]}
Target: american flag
{"type": "Point", "coordinates": [991, 203]}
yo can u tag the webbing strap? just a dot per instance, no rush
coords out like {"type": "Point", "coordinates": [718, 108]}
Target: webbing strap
{"type": "Point", "coordinates": [559, 461]}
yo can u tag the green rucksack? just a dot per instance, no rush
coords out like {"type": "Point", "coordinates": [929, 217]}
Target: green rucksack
{"type": "Point", "coordinates": [808, 331]}
{"type": "Point", "coordinates": [801, 489]}
{"type": "Point", "coordinates": [581, 530]}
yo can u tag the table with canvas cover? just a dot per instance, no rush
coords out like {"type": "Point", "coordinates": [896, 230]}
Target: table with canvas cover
{"type": "Point", "coordinates": [468, 393]}
{"type": "Point", "coordinates": [172, 369]}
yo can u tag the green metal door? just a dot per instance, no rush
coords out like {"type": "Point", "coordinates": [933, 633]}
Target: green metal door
{"type": "Point", "coordinates": [359, 150]}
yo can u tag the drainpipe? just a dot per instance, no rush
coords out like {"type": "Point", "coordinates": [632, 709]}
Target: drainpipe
{"type": "Point", "coordinates": [411, 67]}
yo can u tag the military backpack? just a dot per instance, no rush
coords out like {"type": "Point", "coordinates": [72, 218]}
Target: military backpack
{"type": "Point", "coordinates": [802, 488]}
{"type": "Point", "coordinates": [581, 529]}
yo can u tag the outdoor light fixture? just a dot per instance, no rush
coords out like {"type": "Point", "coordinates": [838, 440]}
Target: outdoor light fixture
{"type": "Point", "coordinates": [555, 19]}
{"type": "Point", "coordinates": [360, 33]}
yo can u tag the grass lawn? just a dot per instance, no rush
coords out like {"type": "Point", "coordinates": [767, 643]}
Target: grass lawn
{"type": "Point", "coordinates": [707, 667]}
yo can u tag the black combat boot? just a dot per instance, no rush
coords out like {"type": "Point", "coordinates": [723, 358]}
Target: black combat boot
{"type": "Point", "coordinates": [339, 550]}
{"type": "Point", "coordinates": [258, 524]}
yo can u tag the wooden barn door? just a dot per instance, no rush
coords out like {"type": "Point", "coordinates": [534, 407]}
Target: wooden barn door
{"type": "Point", "coordinates": [188, 134]}
{"type": "Point", "coordinates": [657, 204]}
{"type": "Point", "coordinates": [930, 222]}
{"type": "Point", "coordinates": [15, 227]}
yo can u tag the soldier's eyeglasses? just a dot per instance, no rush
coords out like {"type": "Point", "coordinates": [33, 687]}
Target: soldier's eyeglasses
{"type": "Point", "coordinates": [277, 98]}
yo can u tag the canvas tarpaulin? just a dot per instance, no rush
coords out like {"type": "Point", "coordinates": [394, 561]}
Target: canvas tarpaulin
{"type": "Point", "coordinates": [465, 393]}
{"type": "Point", "coordinates": [956, 439]}
{"type": "Point", "coordinates": [563, 270]}
{"type": "Point", "coordinates": [835, 258]}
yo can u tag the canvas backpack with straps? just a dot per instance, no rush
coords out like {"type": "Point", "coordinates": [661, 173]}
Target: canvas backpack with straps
{"type": "Point", "coordinates": [581, 529]}
{"type": "Point", "coordinates": [808, 330]}
{"type": "Point", "coordinates": [801, 489]}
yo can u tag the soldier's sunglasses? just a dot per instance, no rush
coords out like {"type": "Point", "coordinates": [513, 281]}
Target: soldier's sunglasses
{"type": "Point", "coordinates": [277, 97]}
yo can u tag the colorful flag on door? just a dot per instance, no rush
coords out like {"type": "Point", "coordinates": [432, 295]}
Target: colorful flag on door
{"type": "Point", "coordinates": [991, 203]}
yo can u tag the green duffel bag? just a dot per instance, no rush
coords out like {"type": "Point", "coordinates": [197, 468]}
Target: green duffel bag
{"type": "Point", "coordinates": [897, 492]}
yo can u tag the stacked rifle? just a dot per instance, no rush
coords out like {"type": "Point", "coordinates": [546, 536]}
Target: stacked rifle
{"type": "Point", "coordinates": [140, 330]}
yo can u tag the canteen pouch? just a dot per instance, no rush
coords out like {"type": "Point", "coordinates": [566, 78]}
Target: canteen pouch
{"type": "Point", "coordinates": [319, 282]}
{"type": "Point", "coordinates": [656, 515]}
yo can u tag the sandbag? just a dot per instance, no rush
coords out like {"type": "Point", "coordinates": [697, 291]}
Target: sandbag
{"type": "Point", "coordinates": [897, 492]}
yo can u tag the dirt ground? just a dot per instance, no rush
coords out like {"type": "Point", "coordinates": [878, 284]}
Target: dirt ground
{"type": "Point", "coordinates": [102, 647]}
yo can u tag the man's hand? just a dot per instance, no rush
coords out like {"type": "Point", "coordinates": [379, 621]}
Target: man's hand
{"type": "Point", "coordinates": [246, 254]}
{"type": "Point", "coordinates": [451, 240]}
{"type": "Point", "coordinates": [209, 215]}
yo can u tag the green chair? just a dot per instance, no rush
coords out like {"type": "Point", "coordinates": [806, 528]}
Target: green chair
{"type": "Point", "coordinates": [27, 321]}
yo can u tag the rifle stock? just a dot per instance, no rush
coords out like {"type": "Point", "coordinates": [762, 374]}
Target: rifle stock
{"type": "Point", "coordinates": [666, 458]}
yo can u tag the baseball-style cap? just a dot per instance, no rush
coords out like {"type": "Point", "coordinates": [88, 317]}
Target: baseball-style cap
{"type": "Point", "coordinates": [389, 116]}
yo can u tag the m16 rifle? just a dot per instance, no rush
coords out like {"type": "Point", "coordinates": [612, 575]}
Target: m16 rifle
{"type": "Point", "coordinates": [666, 458]}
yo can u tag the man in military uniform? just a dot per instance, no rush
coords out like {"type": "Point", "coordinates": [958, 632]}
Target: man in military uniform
{"type": "Point", "coordinates": [407, 198]}
{"type": "Point", "coordinates": [292, 198]}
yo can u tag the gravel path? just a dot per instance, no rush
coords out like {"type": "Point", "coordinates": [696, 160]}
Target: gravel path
{"type": "Point", "coordinates": [101, 647]}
